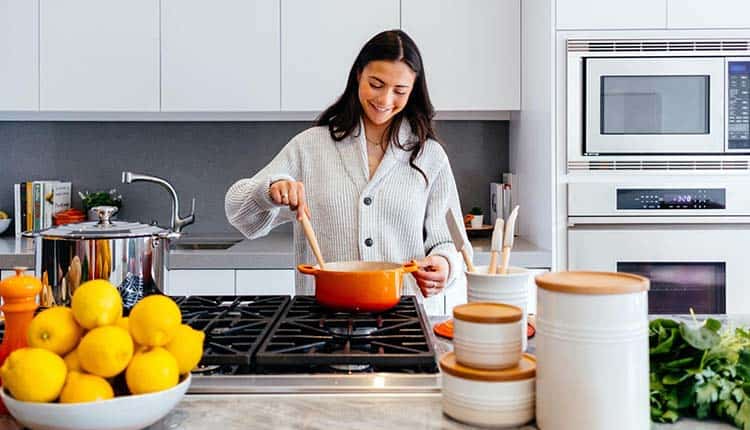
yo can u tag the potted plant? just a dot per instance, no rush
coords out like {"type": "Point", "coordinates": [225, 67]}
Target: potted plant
{"type": "Point", "coordinates": [99, 198]}
{"type": "Point", "coordinates": [477, 217]}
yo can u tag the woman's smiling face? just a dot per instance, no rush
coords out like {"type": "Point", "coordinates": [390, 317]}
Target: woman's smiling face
{"type": "Point", "coordinates": [384, 88]}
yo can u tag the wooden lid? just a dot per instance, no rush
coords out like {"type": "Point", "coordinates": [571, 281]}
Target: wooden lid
{"type": "Point", "coordinates": [487, 312]}
{"type": "Point", "coordinates": [526, 369]}
{"type": "Point", "coordinates": [592, 282]}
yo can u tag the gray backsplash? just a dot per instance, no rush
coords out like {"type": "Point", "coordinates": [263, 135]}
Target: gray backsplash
{"type": "Point", "coordinates": [201, 159]}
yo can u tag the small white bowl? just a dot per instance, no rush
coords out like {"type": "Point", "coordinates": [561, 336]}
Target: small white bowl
{"type": "Point", "coordinates": [4, 223]}
{"type": "Point", "coordinates": [121, 413]}
{"type": "Point", "coordinates": [487, 335]}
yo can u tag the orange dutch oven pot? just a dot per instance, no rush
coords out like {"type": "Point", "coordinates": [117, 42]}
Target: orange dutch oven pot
{"type": "Point", "coordinates": [360, 286]}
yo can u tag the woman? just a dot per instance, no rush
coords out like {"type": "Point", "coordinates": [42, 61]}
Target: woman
{"type": "Point", "coordinates": [371, 175]}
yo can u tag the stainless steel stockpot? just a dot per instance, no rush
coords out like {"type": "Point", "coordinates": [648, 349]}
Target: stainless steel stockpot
{"type": "Point", "coordinates": [132, 256]}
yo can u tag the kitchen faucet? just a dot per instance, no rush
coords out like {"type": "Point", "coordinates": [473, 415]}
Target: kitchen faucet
{"type": "Point", "coordinates": [177, 223]}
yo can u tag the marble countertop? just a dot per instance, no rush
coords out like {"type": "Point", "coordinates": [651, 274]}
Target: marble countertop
{"type": "Point", "coordinates": [333, 411]}
{"type": "Point", "coordinates": [273, 251]}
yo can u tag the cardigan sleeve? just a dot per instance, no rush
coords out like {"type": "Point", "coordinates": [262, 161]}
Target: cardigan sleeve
{"type": "Point", "coordinates": [248, 205]}
{"type": "Point", "coordinates": [443, 195]}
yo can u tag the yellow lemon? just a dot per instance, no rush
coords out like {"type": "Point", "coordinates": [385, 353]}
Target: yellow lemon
{"type": "Point", "coordinates": [125, 323]}
{"type": "Point", "coordinates": [154, 320]}
{"type": "Point", "coordinates": [34, 374]}
{"type": "Point", "coordinates": [80, 387]}
{"type": "Point", "coordinates": [152, 370]}
{"type": "Point", "coordinates": [105, 351]}
{"type": "Point", "coordinates": [72, 362]}
{"type": "Point", "coordinates": [96, 303]}
{"type": "Point", "coordinates": [55, 329]}
{"type": "Point", "coordinates": [187, 347]}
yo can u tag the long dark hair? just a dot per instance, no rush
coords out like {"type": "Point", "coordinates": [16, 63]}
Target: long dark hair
{"type": "Point", "coordinates": [342, 118]}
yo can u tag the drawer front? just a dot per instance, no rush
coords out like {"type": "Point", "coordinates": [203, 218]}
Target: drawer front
{"type": "Point", "coordinates": [265, 282]}
{"type": "Point", "coordinates": [200, 282]}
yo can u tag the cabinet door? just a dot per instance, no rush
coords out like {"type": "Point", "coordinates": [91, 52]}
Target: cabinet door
{"type": "Point", "coordinates": [99, 55]}
{"type": "Point", "coordinates": [471, 51]}
{"type": "Point", "coordinates": [320, 40]}
{"type": "Point", "coordinates": [19, 50]}
{"type": "Point", "coordinates": [611, 14]}
{"type": "Point", "coordinates": [221, 55]}
{"type": "Point", "coordinates": [708, 14]}
{"type": "Point", "coordinates": [264, 282]}
{"type": "Point", "coordinates": [200, 283]}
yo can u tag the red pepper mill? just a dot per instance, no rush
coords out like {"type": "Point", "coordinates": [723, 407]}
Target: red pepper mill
{"type": "Point", "coordinates": [19, 294]}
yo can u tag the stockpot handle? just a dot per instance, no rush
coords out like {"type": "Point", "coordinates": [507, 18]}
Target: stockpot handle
{"type": "Point", "coordinates": [308, 269]}
{"type": "Point", "coordinates": [409, 267]}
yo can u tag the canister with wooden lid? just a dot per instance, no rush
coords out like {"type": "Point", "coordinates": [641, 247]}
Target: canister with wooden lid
{"type": "Point", "coordinates": [592, 351]}
{"type": "Point", "coordinates": [492, 398]}
{"type": "Point", "coordinates": [487, 335]}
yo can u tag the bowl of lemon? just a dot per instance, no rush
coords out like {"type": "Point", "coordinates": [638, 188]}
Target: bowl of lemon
{"type": "Point", "coordinates": [4, 222]}
{"type": "Point", "coordinates": [87, 367]}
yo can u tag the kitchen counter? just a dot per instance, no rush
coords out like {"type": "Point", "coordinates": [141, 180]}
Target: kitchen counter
{"type": "Point", "coordinates": [333, 411]}
{"type": "Point", "coordinates": [273, 251]}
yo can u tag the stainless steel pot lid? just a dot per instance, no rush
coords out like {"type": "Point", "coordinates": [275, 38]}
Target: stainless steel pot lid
{"type": "Point", "coordinates": [105, 228]}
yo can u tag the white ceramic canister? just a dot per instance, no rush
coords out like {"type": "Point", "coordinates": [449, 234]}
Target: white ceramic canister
{"type": "Point", "coordinates": [487, 335]}
{"type": "Point", "coordinates": [491, 398]}
{"type": "Point", "coordinates": [511, 288]}
{"type": "Point", "coordinates": [592, 351]}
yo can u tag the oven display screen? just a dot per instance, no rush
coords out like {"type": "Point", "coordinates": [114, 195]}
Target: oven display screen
{"type": "Point", "coordinates": [738, 105]}
{"type": "Point", "coordinates": [676, 198]}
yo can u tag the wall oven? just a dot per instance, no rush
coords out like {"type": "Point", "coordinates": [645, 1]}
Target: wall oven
{"type": "Point", "coordinates": [671, 100]}
{"type": "Point", "coordinates": [690, 239]}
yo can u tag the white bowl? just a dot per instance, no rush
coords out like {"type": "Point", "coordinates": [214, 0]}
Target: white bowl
{"type": "Point", "coordinates": [4, 223]}
{"type": "Point", "coordinates": [121, 413]}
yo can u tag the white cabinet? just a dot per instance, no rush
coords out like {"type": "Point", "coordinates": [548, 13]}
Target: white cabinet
{"type": "Point", "coordinates": [19, 65]}
{"type": "Point", "coordinates": [200, 282]}
{"type": "Point", "coordinates": [708, 14]}
{"type": "Point", "coordinates": [320, 41]}
{"type": "Point", "coordinates": [221, 55]}
{"type": "Point", "coordinates": [99, 55]}
{"type": "Point", "coordinates": [471, 51]}
{"type": "Point", "coordinates": [612, 14]}
{"type": "Point", "coordinates": [264, 282]}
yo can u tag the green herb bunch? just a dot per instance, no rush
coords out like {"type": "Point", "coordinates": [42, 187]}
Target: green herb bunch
{"type": "Point", "coordinates": [100, 198]}
{"type": "Point", "coordinates": [699, 370]}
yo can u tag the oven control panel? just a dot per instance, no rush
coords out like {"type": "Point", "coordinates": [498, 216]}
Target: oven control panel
{"type": "Point", "coordinates": [671, 199]}
{"type": "Point", "coordinates": [738, 105]}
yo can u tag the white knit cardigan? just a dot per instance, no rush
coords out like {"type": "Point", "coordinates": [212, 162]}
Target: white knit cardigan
{"type": "Point", "coordinates": [405, 217]}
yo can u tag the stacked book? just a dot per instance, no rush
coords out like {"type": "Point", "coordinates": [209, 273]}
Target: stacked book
{"type": "Point", "coordinates": [36, 201]}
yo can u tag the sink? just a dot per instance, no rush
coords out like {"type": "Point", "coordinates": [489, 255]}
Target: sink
{"type": "Point", "coordinates": [193, 244]}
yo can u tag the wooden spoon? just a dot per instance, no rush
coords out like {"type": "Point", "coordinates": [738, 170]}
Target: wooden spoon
{"type": "Point", "coordinates": [496, 245]}
{"type": "Point", "coordinates": [311, 239]}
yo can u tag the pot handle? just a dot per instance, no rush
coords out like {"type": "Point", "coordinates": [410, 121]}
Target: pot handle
{"type": "Point", "coordinates": [409, 267]}
{"type": "Point", "coordinates": [307, 269]}
{"type": "Point", "coordinates": [30, 234]}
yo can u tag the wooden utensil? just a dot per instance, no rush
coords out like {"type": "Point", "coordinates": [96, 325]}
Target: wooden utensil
{"type": "Point", "coordinates": [510, 231]}
{"type": "Point", "coordinates": [311, 239]}
{"type": "Point", "coordinates": [497, 245]}
{"type": "Point", "coordinates": [458, 239]}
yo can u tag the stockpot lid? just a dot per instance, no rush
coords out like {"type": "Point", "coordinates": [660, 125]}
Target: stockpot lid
{"type": "Point", "coordinates": [105, 228]}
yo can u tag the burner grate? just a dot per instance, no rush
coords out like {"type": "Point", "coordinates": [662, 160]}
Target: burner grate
{"type": "Point", "coordinates": [309, 336]}
{"type": "Point", "coordinates": [234, 326]}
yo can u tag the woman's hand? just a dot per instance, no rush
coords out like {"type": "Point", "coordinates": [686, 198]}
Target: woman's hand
{"type": "Point", "coordinates": [292, 194]}
{"type": "Point", "coordinates": [432, 274]}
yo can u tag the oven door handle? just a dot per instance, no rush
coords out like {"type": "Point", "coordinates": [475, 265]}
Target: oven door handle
{"type": "Point", "coordinates": [626, 220]}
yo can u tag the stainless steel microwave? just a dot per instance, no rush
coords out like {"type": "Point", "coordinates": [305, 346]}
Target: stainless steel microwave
{"type": "Point", "coordinates": [651, 99]}
{"type": "Point", "coordinates": [673, 105]}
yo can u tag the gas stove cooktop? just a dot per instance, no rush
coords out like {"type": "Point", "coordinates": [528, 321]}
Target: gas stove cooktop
{"type": "Point", "coordinates": [291, 345]}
